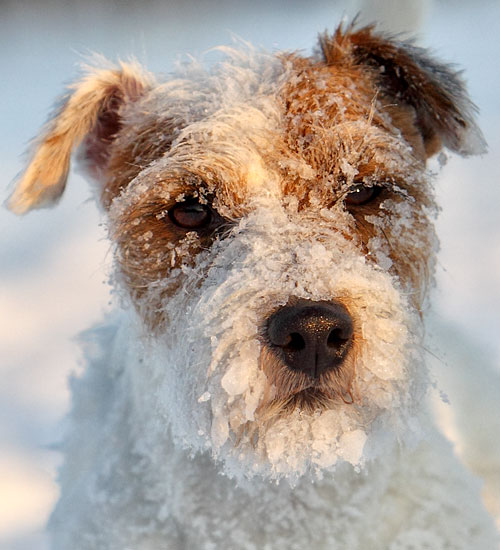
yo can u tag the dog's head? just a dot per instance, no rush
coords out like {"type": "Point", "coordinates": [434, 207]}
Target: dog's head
{"type": "Point", "coordinates": [272, 221]}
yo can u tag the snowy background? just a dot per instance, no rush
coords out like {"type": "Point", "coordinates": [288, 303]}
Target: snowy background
{"type": "Point", "coordinates": [53, 264]}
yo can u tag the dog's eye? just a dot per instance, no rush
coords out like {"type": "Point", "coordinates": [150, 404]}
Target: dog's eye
{"type": "Point", "coordinates": [190, 214]}
{"type": "Point", "coordinates": [360, 194]}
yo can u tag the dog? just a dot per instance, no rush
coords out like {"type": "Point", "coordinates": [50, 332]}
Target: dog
{"type": "Point", "coordinates": [262, 384]}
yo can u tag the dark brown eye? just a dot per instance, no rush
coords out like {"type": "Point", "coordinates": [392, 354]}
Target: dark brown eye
{"type": "Point", "coordinates": [360, 194]}
{"type": "Point", "coordinates": [190, 214]}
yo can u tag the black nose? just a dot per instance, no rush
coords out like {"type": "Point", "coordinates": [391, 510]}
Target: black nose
{"type": "Point", "coordinates": [313, 337]}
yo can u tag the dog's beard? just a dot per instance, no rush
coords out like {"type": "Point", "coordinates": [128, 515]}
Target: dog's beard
{"type": "Point", "coordinates": [220, 388]}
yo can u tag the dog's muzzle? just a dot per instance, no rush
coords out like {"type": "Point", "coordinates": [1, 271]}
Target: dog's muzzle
{"type": "Point", "coordinates": [313, 337]}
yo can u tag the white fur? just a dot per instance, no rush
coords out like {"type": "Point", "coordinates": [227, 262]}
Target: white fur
{"type": "Point", "coordinates": [153, 460]}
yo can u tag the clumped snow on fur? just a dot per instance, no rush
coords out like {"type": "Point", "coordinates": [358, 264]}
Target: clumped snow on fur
{"type": "Point", "coordinates": [217, 367]}
{"type": "Point", "coordinates": [208, 379]}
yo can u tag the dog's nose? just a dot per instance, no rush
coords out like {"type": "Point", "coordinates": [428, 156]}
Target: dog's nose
{"type": "Point", "coordinates": [314, 337]}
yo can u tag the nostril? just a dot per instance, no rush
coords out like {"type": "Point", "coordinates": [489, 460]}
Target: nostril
{"type": "Point", "coordinates": [338, 337]}
{"type": "Point", "coordinates": [296, 342]}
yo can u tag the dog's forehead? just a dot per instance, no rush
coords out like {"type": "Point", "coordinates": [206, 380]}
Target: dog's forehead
{"type": "Point", "coordinates": [276, 125]}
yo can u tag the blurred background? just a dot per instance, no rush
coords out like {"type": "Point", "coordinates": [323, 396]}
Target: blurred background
{"type": "Point", "coordinates": [54, 263]}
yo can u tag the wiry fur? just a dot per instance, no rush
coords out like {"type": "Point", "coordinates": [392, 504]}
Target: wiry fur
{"type": "Point", "coordinates": [186, 385]}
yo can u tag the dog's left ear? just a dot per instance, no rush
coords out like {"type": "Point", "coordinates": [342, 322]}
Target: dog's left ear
{"type": "Point", "coordinates": [407, 75]}
{"type": "Point", "coordinates": [91, 113]}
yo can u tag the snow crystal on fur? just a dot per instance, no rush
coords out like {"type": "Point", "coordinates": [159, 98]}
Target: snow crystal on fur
{"type": "Point", "coordinates": [212, 353]}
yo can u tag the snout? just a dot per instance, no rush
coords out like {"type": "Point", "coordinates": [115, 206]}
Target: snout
{"type": "Point", "coordinates": [311, 337]}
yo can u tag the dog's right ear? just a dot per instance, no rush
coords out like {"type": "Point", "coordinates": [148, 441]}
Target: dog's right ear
{"type": "Point", "coordinates": [91, 112]}
{"type": "Point", "coordinates": [408, 76]}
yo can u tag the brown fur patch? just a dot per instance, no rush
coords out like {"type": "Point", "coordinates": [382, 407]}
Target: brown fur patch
{"type": "Point", "coordinates": [406, 75]}
{"type": "Point", "coordinates": [340, 138]}
{"type": "Point", "coordinates": [137, 147]}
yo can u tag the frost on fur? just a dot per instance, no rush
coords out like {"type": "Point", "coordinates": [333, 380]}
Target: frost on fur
{"type": "Point", "coordinates": [235, 408]}
{"type": "Point", "coordinates": [232, 408]}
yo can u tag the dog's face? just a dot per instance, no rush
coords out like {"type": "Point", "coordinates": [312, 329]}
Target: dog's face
{"type": "Point", "coordinates": [272, 221]}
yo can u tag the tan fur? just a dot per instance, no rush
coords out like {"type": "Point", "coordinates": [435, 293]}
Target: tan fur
{"type": "Point", "coordinates": [99, 91]}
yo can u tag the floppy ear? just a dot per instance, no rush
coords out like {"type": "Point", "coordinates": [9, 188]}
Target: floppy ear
{"type": "Point", "coordinates": [90, 112]}
{"type": "Point", "coordinates": [407, 75]}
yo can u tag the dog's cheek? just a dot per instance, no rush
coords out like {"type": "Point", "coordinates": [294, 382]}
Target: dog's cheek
{"type": "Point", "coordinates": [151, 261]}
{"type": "Point", "coordinates": [407, 223]}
